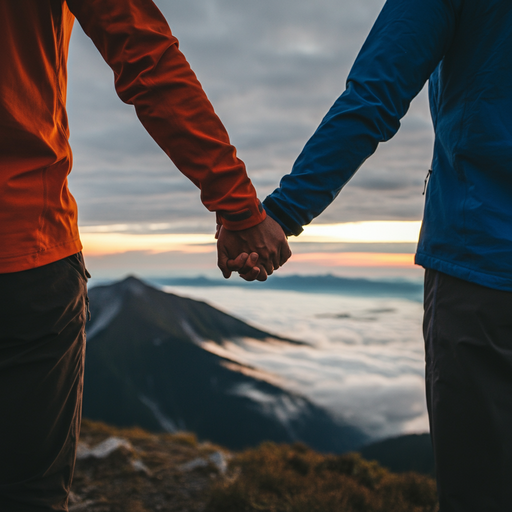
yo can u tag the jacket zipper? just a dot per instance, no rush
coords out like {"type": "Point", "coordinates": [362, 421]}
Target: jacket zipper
{"type": "Point", "coordinates": [427, 179]}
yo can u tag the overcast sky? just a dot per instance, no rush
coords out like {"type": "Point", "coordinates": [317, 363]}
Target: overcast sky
{"type": "Point", "coordinates": [272, 68]}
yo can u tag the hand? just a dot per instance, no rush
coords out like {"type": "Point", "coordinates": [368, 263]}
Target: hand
{"type": "Point", "coordinates": [255, 252]}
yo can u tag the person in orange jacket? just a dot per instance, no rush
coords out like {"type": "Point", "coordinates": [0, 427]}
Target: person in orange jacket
{"type": "Point", "coordinates": [43, 299]}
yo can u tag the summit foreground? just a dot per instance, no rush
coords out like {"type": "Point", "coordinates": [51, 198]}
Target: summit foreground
{"type": "Point", "coordinates": [130, 470]}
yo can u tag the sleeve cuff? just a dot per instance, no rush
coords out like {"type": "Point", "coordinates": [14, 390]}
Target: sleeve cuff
{"type": "Point", "coordinates": [243, 219]}
{"type": "Point", "coordinates": [290, 227]}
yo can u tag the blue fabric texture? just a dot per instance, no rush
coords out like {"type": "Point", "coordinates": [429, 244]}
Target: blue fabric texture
{"type": "Point", "coordinates": [464, 49]}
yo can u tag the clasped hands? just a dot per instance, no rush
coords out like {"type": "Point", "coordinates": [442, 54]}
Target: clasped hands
{"type": "Point", "coordinates": [255, 252]}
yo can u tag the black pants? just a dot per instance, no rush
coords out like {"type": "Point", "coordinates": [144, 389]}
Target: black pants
{"type": "Point", "coordinates": [42, 344]}
{"type": "Point", "coordinates": [468, 337]}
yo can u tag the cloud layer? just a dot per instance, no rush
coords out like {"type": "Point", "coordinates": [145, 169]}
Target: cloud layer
{"type": "Point", "coordinates": [272, 69]}
{"type": "Point", "coordinates": [364, 362]}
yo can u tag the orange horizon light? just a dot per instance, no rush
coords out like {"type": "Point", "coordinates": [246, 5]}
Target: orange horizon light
{"type": "Point", "coordinates": [356, 259]}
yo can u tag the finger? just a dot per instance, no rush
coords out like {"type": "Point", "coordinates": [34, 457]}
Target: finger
{"type": "Point", "coordinates": [225, 272]}
{"type": "Point", "coordinates": [268, 266]}
{"type": "Point", "coordinates": [276, 261]}
{"type": "Point", "coordinates": [286, 253]}
{"type": "Point", "coordinates": [262, 276]}
{"type": "Point", "coordinates": [222, 263]}
{"type": "Point", "coordinates": [265, 263]}
{"type": "Point", "coordinates": [250, 263]}
{"type": "Point", "coordinates": [238, 263]}
{"type": "Point", "coordinates": [251, 275]}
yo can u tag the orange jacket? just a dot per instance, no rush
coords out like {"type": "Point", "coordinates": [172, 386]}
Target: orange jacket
{"type": "Point", "coordinates": [38, 216]}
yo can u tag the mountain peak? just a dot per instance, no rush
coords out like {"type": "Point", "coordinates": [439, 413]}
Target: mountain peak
{"type": "Point", "coordinates": [140, 308]}
{"type": "Point", "coordinates": [148, 364]}
{"type": "Point", "coordinates": [133, 284]}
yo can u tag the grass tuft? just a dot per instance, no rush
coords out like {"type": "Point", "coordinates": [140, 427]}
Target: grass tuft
{"type": "Point", "coordinates": [183, 438]}
{"type": "Point", "coordinates": [284, 478]}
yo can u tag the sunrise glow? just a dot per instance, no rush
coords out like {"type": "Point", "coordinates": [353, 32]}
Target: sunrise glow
{"type": "Point", "coordinates": [356, 259]}
{"type": "Point", "coordinates": [363, 232]}
{"type": "Point", "coordinates": [103, 243]}
{"type": "Point", "coordinates": [104, 240]}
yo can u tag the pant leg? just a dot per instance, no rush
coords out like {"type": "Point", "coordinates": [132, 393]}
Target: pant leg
{"type": "Point", "coordinates": [468, 341]}
{"type": "Point", "coordinates": [42, 343]}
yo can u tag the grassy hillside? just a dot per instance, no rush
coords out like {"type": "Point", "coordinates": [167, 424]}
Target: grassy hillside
{"type": "Point", "coordinates": [145, 472]}
{"type": "Point", "coordinates": [284, 478]}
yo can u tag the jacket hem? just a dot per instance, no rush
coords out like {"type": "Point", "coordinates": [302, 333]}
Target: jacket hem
{"type": "Point", "coordinates": [38, 259]}
{"type": "Point", "coordinates": [467, 274]}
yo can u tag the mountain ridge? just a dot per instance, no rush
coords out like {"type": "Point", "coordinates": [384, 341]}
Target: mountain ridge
{"type": "Point", "coordinates": [327, 283]}
{"type": "Point", "coordinates": [146, 365]}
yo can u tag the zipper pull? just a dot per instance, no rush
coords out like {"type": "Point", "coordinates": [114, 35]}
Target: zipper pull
{"type": "Point", "coordinates": [427, 178]}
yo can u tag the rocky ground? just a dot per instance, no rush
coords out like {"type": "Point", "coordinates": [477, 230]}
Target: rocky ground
{"type": "Point", "coordinates": [131, 470]}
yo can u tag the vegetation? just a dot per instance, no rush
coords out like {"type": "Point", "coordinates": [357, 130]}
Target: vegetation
{"type": "Point", "coordinates": [150, 472]}
{"type": "Point", "coordinates": [147, 473]}
{"type": "Point", "coordinates": [283, 478]}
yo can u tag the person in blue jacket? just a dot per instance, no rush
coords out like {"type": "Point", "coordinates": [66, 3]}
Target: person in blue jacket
{"type": "Point", "coordinates": [464, 49]}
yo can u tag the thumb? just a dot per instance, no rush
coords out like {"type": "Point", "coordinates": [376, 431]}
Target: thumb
{"type": "Point", "coordinates": [238, 263]}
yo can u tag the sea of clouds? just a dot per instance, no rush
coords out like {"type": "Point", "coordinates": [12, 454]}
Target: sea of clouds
{"type": "Point", "coordinates": [363, 359]}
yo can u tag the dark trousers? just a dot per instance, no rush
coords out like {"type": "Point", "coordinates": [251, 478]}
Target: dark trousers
{"type": "Point", "coordinates": [42, 344]}
{"type": "Point", "coordinates": [468, 338]}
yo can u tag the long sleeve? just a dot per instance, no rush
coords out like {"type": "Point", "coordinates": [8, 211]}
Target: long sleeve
{"type": "Point", "coordinates": [404, 47]}
{"type": "Point", "coordinates": [153, 75]}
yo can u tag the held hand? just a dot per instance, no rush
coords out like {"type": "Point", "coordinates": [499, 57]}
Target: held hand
{"type": "Point", "coordinates": [255, 252]}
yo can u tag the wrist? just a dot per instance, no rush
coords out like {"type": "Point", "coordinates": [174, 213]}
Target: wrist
{"type": "Point", "coordinates": [243, 219]}
{"type": "Point", "coordinates": [289, 226]}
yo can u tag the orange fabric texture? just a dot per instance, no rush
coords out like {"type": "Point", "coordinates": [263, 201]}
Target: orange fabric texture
{"type": "Point", "coordinates": [38, 215]}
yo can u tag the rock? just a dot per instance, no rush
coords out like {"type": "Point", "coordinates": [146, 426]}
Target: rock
{"type": "Point", "coordinates": [103, 449]}
{"type": "Point", "coordinates": [218, 459]}
{"type": "Point", "coordinates": [138, 465]}
{"type": "Point", "coordinates": [194, 464]}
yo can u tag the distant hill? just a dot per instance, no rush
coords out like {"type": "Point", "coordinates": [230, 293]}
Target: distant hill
{"type": "Point", "coordinates": [147, 365]}
{"type": "Point", "coordinates": [313, 284]}
{"type": "Point", "coordinates": [404, 453]}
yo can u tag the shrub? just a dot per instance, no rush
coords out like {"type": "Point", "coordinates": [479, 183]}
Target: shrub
{"type": "Point", "coordinates": [284, 478]}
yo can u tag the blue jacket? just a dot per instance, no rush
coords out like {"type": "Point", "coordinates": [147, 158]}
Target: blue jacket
{"type": "Point", "coordinates": [465, 48]}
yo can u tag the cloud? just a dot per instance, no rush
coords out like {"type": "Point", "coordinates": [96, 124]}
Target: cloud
{"type": "Point", "coordinates": [272, 69]}
{"type": "Point", "coordinates": [364, 362]}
